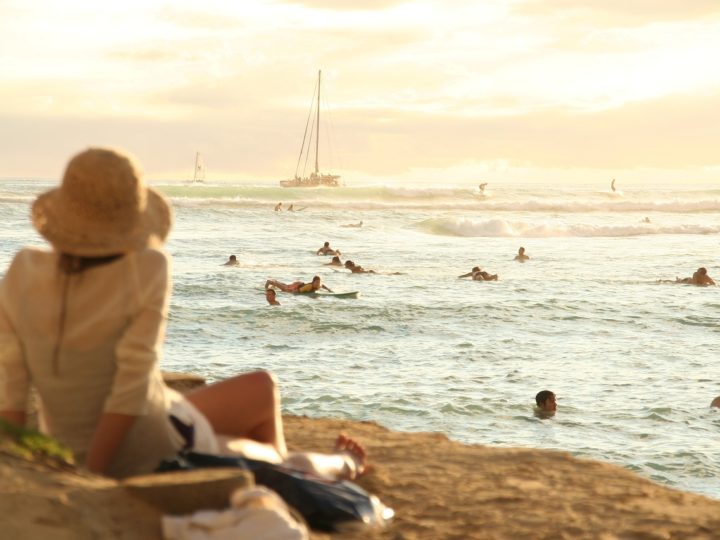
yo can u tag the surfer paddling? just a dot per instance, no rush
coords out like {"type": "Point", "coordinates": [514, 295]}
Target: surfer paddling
{"type": "Point", "coordinates": [700, 278]}
{"type": "Point", "coordinates": [477, 274]}
{"type": "Point", "coordinates": [297, 287]}
{"type": "Point", "coordinates": [357, 269]}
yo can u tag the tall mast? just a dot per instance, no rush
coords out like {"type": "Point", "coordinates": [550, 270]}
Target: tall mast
{"type": "Point", "coordinates": [195, 175]}
{"type": "Point", "coordinates": [317, 139]}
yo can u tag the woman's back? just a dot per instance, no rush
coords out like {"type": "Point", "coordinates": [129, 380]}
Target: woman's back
{"type": "Point", "coordinates": [90, 340]}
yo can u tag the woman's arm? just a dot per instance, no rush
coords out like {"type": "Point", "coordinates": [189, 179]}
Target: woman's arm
{"type": "Point", "coordinates": [110, 432]}
{"type": "Point", "coordinates": [326, 288]}
{"type": "Point", "coordinates": [14, 417]}
{"type": "Point", "coordinates": [14, 373]}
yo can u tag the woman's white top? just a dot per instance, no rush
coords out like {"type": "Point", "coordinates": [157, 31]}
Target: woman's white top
{"type": "Point", "coordinates": [90, 343]}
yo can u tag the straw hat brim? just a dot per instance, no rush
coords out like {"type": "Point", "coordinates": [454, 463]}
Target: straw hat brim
{"type": "Point", "coordinates": [70, 233]}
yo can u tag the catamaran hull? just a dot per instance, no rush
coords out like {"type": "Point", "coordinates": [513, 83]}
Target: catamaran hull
{"type": "Point", "coordinates": [325, 180]}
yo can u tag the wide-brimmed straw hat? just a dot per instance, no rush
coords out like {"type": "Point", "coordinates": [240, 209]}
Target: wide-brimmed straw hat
{"type": "Point", "coordinates": [102, 207]}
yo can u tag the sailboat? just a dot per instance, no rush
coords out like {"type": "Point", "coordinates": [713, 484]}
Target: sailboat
{"type": "Point", "coordinates": [316, 178]}
{"type": "Point", "coordinates": [199, 175]}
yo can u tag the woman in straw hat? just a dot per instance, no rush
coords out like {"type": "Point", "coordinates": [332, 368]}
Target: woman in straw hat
{"type": "Point", "coordinates": [84, 324]}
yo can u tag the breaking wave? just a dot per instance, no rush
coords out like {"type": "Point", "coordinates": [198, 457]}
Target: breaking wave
{"type": "Point", "coordinates": [505, 228]}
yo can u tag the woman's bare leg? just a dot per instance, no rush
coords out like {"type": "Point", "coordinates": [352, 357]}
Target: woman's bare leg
{"type": "Point", "coordinates": [275, 283]}
{"type": "Point", "coordinates": [246, 406]}
{"type": "Point", "coordinates": [347, 461]}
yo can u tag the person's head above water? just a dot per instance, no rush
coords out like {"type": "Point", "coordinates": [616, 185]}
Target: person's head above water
{"type": "Point", "coordinates": [349, 264]}
{"type": "Point", "coordinates": [336, 259]}
{"type": "Point", "coordinates": [521, 251]}
{"type": "Point", "coordinates": [326, 244]}
{"type": "Point", "coordinates": [545, 400]}
{"type": "Point", "coordinates": [702, 271]}
{"type": "Point", "coordinates": [270, 295]}
{"type": "Point", "coordinates": [232, 258]}
{"type": "Point", "coordinates": [475, 268]}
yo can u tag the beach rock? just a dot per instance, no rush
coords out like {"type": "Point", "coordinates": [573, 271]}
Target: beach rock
{"type": "Point", "coordinates": [38, 502]}
{"type": "Point", "coordinates": [186, 492]}
{"type": "Point", "coordinates": [183, 382]}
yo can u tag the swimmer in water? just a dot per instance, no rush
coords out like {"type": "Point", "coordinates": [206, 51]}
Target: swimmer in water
{"type": "Point", "coordinates": [278, 207]}
{"type": "Point", "coordinates": [545, 404]}
{"type": "Point", "coordinates": [232, 261]}
{"type": "Point", "coordinates": [270, 295]}
{"type": "Point", "coordinates": [521, 257]}
{"type": "Point", "coordinates": [327, 250]}
{"type": "Point", "coordinates": [481, 187]}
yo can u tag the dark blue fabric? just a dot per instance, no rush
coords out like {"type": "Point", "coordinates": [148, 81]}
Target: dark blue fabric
{"type": "Point", "coordinates": [322, 503]}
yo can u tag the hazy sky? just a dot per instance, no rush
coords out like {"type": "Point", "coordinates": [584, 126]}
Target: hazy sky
{"type": "Point", "coordinates": [493, 90]}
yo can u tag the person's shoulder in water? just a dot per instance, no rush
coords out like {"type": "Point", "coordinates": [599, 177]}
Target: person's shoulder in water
{"type": "Point", "coordinates": [521, 257]}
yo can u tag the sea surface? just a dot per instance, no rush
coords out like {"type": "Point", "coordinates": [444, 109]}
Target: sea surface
{"type": "Point", "coordinates": [633, 359]}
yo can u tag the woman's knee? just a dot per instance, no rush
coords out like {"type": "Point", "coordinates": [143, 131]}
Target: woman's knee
{"type": "Point", "coordinates": [264, 383]}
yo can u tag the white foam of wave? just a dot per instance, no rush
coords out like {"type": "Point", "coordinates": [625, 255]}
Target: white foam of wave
{"type": "Point", "coordinates": [16, 198]}
{"type": "Point", "coordinates": [485, 205]}
{"type": "Point", "coordinates": [504, 228]}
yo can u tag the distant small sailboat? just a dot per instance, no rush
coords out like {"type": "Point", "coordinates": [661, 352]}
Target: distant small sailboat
{"type": "Point", "coordinates": [199, 174]}
{"type": "Point", "coordinates": [315, 179]}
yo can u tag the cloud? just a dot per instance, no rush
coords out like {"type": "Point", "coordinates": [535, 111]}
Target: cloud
{"type": "Point", "coordinates": [349, 5]}
{"type": "Point", "coordinates": [197, 19]}
{"type": "Point", "coordinates": [630, 12]}
{"type": "Point", "coordinates": [676, 132]}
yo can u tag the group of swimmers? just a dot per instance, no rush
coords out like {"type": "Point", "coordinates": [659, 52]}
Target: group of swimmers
{"type": "Point", "coordinates": [478, 274]}
{"type": "Point", "coordinates": [291, 208]}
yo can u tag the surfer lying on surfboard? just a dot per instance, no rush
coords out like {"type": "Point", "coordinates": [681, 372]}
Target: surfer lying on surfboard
{"type": "Point", "coordinates": [478, 274]}
{"type": "Point", "coordinates": [298, 287]}
{"type": "Point", "coordinates": [356, 268]}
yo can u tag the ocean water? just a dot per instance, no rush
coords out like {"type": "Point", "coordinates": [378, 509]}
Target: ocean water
{"type": "Point", "coordinates": [632, 360]}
